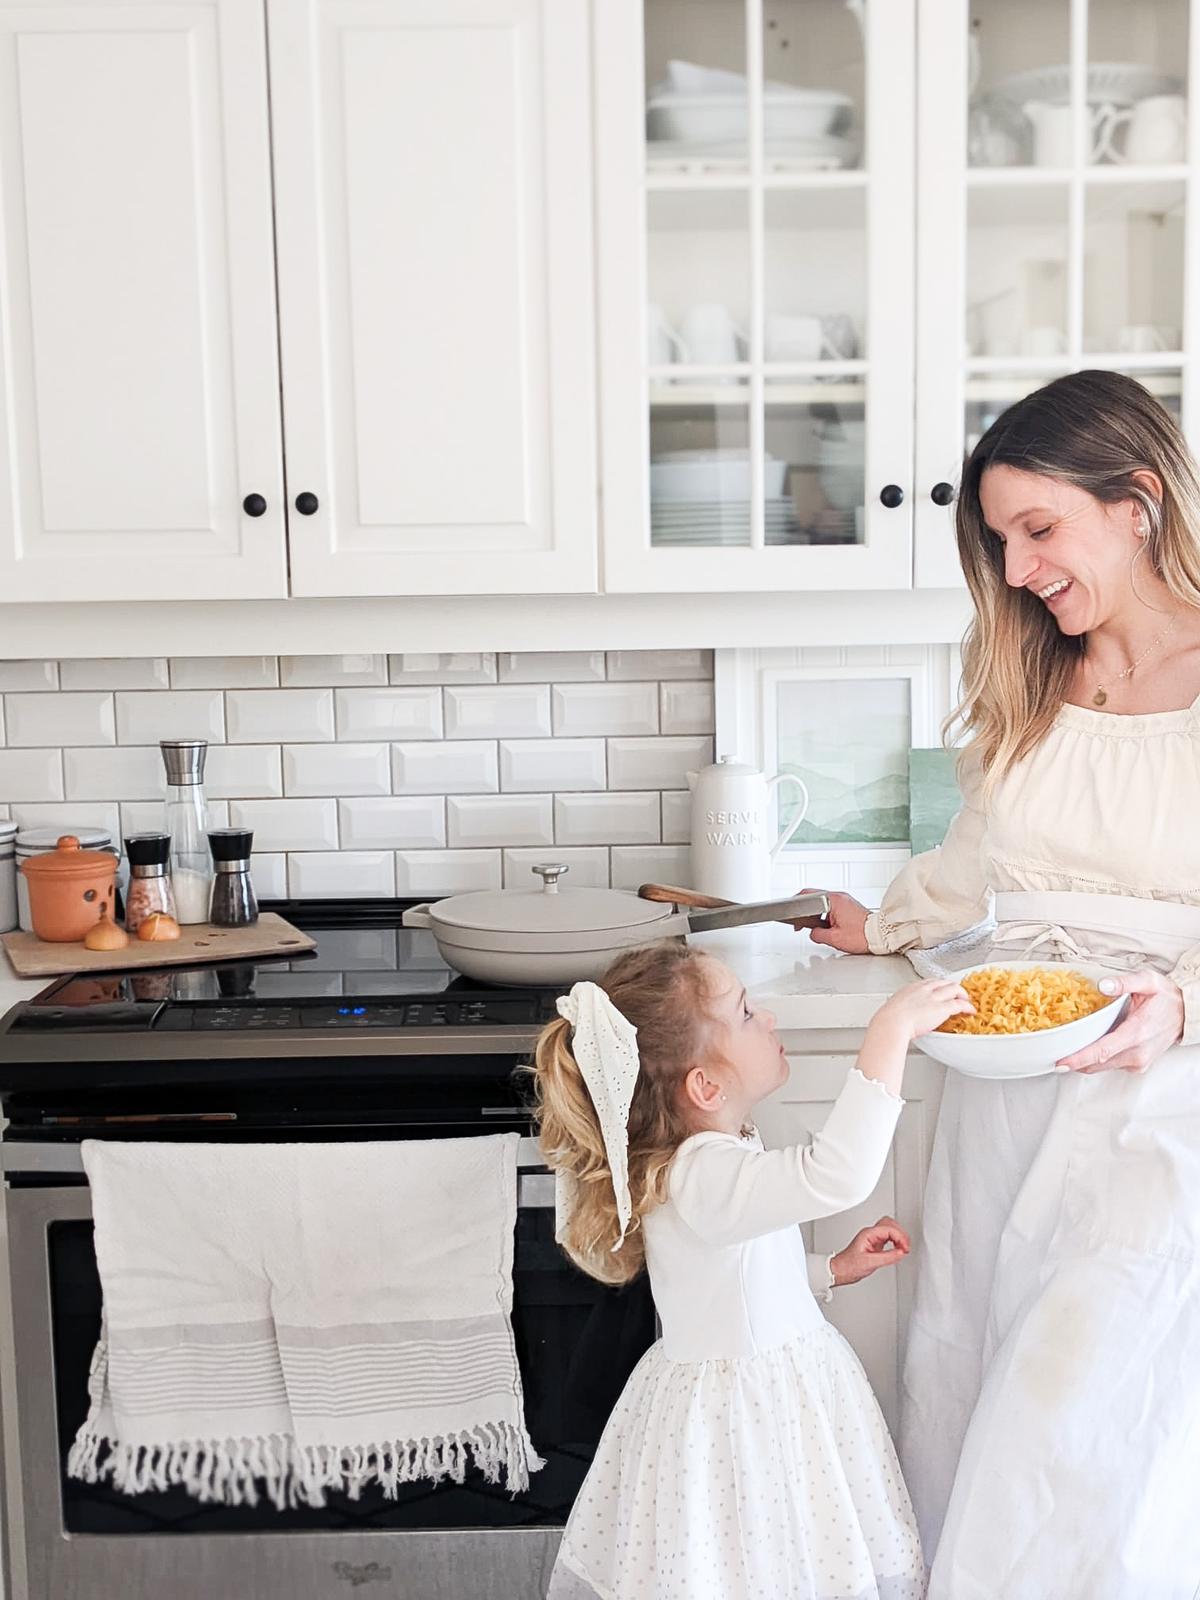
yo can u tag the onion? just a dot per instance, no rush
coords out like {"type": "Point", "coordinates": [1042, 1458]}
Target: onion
{"type": "Point", "coordinates": [158, 925]}
{"type": "Point", "coordinates": [105, 935]}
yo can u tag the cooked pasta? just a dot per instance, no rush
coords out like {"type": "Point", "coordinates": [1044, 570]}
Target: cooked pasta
{"type": "Point", "coordinates": [1006, 1001]}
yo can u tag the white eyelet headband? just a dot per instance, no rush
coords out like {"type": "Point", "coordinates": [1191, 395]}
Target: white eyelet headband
{"type": "Point", "coordinates": [604, 1044]}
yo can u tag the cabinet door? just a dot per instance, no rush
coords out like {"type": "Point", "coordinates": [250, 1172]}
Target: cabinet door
{"type": "Point", "coordinates": [1057, 207]}
{"type": "Point", "coordinates": [140, 402]}
{"type": "Point", "coordinates": [755, 203]}
{"type": "Point", "coordinates": [432, 162]}
{"type": "Point", "coordinates": [873, 1315]}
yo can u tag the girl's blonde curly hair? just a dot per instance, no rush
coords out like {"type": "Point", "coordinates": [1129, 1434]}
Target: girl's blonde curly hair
{"type": "Point", "coordinates": [663, 991]}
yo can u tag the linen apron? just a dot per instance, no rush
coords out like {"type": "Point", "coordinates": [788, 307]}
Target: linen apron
{"type": "Point", "coordinates": [1050, 1431]}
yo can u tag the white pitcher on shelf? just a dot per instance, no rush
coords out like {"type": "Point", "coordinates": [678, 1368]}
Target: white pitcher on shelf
{"type": "Point", "coordinates": [731, 857]}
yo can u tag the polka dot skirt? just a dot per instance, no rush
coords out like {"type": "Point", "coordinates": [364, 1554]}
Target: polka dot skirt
{"type": "Point", "coordinates": [766, 1478]}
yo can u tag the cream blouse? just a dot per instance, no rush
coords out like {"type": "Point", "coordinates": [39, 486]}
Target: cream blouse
{"type": "Point", "coordinates": [1105, 804]}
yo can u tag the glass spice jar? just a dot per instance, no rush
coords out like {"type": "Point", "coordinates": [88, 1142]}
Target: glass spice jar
{"type": "Point", "coordinates": [149, 882]}
{"type": "Point", "coordinates": [234, 903]}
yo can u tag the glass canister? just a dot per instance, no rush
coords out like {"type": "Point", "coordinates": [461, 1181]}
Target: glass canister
{"type": "Point", "coordinates": [234, 904]}
{"type": "Point", "coordinates": [8, 876]}
{"type": "Point", "coordinates": [186, 816]}
{"type": "Point", "coordinates": [149, 882]}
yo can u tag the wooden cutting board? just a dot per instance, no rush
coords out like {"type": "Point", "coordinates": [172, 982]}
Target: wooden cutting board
{"type": "Point", "coordinates": [32, 957]}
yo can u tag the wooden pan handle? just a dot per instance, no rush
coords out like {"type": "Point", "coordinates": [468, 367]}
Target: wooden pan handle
{"type": "Point", "coordinates": [682, 897]}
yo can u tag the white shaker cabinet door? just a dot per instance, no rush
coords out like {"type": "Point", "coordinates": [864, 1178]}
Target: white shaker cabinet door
{"type": "Point", "coordinates": [873, 1314]}
{"type": "Point", "coordinates": [139, 406]}
{"type": "Point", "coordinates": [432, 162]}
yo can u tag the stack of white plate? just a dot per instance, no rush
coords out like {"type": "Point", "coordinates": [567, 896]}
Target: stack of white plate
{"type": "Point", "coordinates": [719, 522]}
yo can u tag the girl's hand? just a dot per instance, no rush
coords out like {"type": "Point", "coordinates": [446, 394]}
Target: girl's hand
{"type": "Point", "coordinates": [1152, 1023]}
{"type": "Point", "coordinates": [921, 1007]}
{"type": "Point", "coordinates": [871, 1248]}
{"type": "Point", "coordinates": [847, 921]}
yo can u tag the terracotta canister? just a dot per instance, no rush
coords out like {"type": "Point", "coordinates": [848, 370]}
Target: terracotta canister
{"type": "Point", "coordinates": [67, 888]}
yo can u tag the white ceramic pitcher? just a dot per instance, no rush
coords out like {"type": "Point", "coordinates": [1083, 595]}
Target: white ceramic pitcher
{"type": "Point", "coordinates": [731, 857]}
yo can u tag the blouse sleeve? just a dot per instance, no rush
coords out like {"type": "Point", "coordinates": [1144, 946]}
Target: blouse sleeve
{"type": "Point", "coordinates": [727, 1192]}
{"type": "Point", "coordinates": [820, 1277]}
{"type": "Point", "coordinates": [942, 891]}
{"type": "Point", "coordinates": [1186, 974]}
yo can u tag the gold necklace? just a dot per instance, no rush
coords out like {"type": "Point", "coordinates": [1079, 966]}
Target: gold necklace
{"type": "Point", "coordinates": [1100, 698]}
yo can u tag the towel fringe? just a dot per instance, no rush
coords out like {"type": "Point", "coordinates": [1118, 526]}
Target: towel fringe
{"type": "Point", "coordinates": [230, 1471]}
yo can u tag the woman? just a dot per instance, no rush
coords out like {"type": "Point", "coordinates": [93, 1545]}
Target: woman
{"type": "Point", "coordinates": [1051, 1430]}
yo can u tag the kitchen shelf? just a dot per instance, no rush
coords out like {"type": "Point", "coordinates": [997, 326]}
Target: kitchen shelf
{"type": "Point", "coordinates": [1037, 177]}
{"type": "Point", "coordinates": [800, 393]}
{"type": "Point", "coordinates": [1014, 385]}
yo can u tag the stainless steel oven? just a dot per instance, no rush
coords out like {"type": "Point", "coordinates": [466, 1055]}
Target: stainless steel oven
{"type": "Point", "coordinates": [269, 1062]}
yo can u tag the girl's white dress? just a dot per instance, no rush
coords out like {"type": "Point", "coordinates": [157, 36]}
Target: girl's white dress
{"type": "Point", "coordinates": [747, 1458]}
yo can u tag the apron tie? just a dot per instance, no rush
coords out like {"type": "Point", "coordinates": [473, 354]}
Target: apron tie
{"type": "Point", "coordinates": [1050, 940]}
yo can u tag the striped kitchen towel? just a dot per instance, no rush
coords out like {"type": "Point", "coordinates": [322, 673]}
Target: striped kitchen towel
{"type": "Point", "coordinates": [292, 1318]}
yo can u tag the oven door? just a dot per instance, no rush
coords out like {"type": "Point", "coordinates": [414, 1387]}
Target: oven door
{"type": "Point", "coordinates": [577, 1342]}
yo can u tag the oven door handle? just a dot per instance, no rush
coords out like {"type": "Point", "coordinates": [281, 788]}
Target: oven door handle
{"type": "Point", "coordinates": [44, 1157]}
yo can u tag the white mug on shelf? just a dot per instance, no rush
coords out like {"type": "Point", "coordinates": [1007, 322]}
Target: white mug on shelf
{"type": "Point", "coordinates": [793, 337]}
{"type": "Point", "coordinates": [1142, 338]}
{"type": "Point", "coordinates": [663, 344]}
{"type": "Point", "coordinates": [711, 336]}
{"type": "Point", "coordinates": [1043, 341]}
{"type": "Point", "coordinates": [1157, 131]}
{"type": "Point", "coordinates": [1054, 132]}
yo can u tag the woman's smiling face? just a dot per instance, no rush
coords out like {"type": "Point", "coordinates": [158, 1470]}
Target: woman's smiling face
{"type": "Point", "coordinates": [1070, 550]}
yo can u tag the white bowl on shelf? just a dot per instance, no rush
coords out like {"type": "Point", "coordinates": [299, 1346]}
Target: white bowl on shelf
{"type": "Point", "coordinates": [1023, 1055]}
{"type": "Point", "coordinates": [713, 118]}
{"type": "Point", "coordinates": [717, 479]}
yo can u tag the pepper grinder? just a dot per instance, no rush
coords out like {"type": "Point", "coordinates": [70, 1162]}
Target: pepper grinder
{"type": "Point", "coordinates": [234, 904]}
{"type": "Point", "coordinates": [187, 822]}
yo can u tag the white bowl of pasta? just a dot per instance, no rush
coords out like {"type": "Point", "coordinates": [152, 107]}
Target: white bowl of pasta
{"type": "Point", "coordinates": [1015, 1031]}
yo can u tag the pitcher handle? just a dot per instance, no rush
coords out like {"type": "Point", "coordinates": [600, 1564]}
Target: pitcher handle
{"type": "Point", "coordinates": [1108, 120]}
{"type": "Point", "coordinates": [789, 777]}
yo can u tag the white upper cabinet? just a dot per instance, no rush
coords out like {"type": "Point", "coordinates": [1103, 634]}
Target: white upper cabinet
{"type": "Point", "coordinates": [1057, 167]}
{"type": "Point", "coordinates": [433, 205]}
{"type": "Point", "coordinates": [755, 177]}
{"type": "Point", "coordinates": [139, 406]}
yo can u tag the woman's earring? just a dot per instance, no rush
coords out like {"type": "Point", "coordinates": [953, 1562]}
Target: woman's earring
{"type": "Point", "coordinates": [1139, 525]}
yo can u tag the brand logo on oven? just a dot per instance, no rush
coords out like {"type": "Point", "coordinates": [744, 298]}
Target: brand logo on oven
{"type": "Point", "coordinates": [357, 1576]}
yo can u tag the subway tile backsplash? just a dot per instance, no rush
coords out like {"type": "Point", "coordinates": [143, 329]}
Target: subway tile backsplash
{"type": "Point", "coordinates": [409, 774]}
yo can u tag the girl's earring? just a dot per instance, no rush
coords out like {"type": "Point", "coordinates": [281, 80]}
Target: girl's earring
{"type": "Point", "coordinates": [1139, 525]}
{"type": "Point", "coordinates": [724, 1098]}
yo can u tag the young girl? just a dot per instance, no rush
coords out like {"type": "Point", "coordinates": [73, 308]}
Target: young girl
{"type": "Point", "coordinates": [747, 1458]}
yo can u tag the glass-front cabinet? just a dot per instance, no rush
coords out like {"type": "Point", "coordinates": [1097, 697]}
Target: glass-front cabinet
{"type": "Point", "coordinates": [756, 256]}
{"type": "Point", "coordinates": [1056, 164]}
{"type": "Point", "coordinates": [838, 237]}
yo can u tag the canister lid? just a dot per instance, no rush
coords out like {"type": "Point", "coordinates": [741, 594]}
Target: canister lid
{"type": "Point", "coordinates": [68, 860]}
{"type": "Point", "coordinates": [34, 841]}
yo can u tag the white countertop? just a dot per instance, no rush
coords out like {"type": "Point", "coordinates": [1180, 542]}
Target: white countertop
{"type": "Point", "coordinates": [804, 985]}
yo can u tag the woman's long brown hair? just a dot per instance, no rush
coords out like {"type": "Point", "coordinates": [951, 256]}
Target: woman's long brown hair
{"type": "Point", "coordinates": [1097, 431]}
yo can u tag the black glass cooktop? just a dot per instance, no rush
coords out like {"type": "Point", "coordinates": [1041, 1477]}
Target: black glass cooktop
{"type": "Point", "coordinates": [372, 1006]}
{"type": "Point", "coordinates": [368, 971]}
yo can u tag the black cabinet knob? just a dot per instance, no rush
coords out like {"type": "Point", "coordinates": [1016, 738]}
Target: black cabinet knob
{"type": "Point", "coordinates": [891, 495]}
{"type": "Point", "coordinates": [306, 503]}
{"type": "Point", "coordinates": [254, 505]}
{"type": "Point", "coordinates": [942, 494]}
